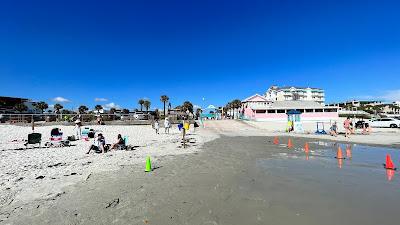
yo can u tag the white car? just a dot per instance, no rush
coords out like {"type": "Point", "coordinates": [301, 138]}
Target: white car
{"type": "Point", "coordinates": [385, 122]}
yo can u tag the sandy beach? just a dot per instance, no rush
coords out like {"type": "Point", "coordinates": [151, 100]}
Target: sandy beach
{"type": "Point", "coordinates": [232, 174]}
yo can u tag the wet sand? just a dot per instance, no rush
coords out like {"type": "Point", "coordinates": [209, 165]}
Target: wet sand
{"type": "Point", "coordinates": [233, 180]}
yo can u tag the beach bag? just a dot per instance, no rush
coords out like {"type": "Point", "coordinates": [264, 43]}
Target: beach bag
{"type": "Point", "coordinates": [91, 134]}
{"type": "Point", "coordinates": [71, 138]}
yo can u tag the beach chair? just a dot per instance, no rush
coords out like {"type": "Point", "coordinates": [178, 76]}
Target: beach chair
{"type": "Point", "coordinates": [56, 139]}
{"type": "Point", "coordinates": [125, 145]}
{"type": "Point", "coordinates": [33, 139]}
{"type": "Point", "coordinates": [320, 128]}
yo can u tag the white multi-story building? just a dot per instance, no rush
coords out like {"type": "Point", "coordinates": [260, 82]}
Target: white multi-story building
{"type": "Point", "coordinates": [289, 93]}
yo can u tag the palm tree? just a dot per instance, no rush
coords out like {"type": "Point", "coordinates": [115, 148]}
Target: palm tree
{"type": "Point", "coordinates": [164, 99]}
{"type": "Point", "coordinates": [146, 104]}
{"type": "Point", "coordinates": [141, 102]}
{"type": "Point", "coordinates": [57, 107]}
{"type": "Point", "coordinates": [82, 109]}
{"type": "Point", "coordinates": [236, 105]}
{"type": "Point", "coordinates": [187, 106]}
{"type": "Point", "coordinates": [112, 111]}
{"type": "Point", "coordinates": [41, 106]}
{"type": "Point", "coordinates": [20, 107]}
{"type": "Point", "coordinates": [98, 108]}
{"type": "Point", "coordinates": [125, 111]}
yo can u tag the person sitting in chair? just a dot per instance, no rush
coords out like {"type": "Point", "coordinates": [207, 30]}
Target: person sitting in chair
{"type": "Point", "coordinates": [120, 142]}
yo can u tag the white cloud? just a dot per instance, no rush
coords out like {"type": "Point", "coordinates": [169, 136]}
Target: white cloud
{"type": "Point", "coordinates": [388, 96]}
{"type": "Point", "coordinates": [60, 99]}
{"type": "Point", "coordinates": [392, 95]}
{"type": "Point", "coordinates": [111, 105]}
{"type": "Point", "coordinates": [100, 100]}
{"type": "Point", "coordinates": [196, 107]}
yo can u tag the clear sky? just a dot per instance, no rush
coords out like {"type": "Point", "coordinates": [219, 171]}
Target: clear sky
{"type": "Point", "coordinates": [189, 50]}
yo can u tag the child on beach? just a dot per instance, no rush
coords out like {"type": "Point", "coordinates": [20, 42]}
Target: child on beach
{"type": "Point", "coordinates": [156, 126]}
{"type": "Point", "coordinates": [347, 127]}
{"type": "Point", "coordinates": [167, 124]}
{"type": "Point", "coordinates": [333, 130]}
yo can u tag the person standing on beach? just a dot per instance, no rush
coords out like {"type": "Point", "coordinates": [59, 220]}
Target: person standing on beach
{"type": "Point", "coordinates": [156, 126]}
{"type": "Point", "coordinates": [77, 128]}
{"type": "Point", "coordinates": [346, 126]}
{"type": "Point", "coordinates": [167, 124]}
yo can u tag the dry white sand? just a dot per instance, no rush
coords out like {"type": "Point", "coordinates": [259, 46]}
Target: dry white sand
{"type": "Point", "coordinates": [60, 167]}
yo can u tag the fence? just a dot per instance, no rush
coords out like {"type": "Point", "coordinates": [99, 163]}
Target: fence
{"type": "Point", "coordinates": [86, 118]}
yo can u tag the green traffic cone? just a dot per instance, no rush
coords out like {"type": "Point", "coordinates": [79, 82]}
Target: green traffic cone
{"type": "Point", "coordinates": [148, 164]}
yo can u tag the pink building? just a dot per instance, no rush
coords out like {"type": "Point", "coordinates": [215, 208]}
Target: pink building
{"type": "Point", "coordinates": [258, 108]}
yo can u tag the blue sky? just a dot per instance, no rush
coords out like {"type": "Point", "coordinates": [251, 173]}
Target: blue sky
{"type": "Point", "coordinates": [189, 50]}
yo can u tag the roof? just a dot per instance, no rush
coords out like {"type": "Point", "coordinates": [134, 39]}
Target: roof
{"type": "Point", "coordinates": [262, 98]}
{"type": "Point", "coordinates": [296, 87]}
{"type": "Point", "coordinates": [293, 105]}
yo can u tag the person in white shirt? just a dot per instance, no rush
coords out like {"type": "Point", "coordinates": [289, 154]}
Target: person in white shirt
{"type": "Point", "coordinates": [167, 125]}
{"type": "Point", "coordinates": [156, 126]}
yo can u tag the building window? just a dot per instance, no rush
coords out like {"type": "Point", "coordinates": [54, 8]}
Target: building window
{"type": "Point", "coordinates": [260, 111]}
{"type": "Point", "coordinates": [309, 110]}
{"type": "Point", "coordinates": [330, 110]}
{"type": "Point", "coordinates": [271, 111]}
{"type": "Point", "coordinates": [281, 111]}
{"type": "Point", "coordinates": [319, 110]}
{"type": "Point", "coordinates": [300, 110]}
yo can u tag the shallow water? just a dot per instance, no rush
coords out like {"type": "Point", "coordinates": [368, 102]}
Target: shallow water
{"type": "Point", "coordinates": [356, 190]}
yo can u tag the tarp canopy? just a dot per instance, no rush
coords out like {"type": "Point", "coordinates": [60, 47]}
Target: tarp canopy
{"type": "Point", "coordinates": [293, 112]}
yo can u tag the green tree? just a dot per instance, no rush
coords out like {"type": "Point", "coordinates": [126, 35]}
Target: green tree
{"type": "Point", "coordinates": [187, 106]}
{"type": "Point", "coordinates": [98, 108]}
{"type": "Point", "coordinates": [58, 107]}
{"type": "Point", "coordinates": [147, 105]}
{"type": "Point", "coordinates": [141, 103]}
{"type": "Point", "coordinates": [125, 111]}
{"type": "Point", "coordinates": [164, 99]}
{"type": "Point", "coordinates": [41, 106]}
{"type": "Point", "coordinates": [236, 104]}
{"type": "Point", "coordinates": [83, 109]}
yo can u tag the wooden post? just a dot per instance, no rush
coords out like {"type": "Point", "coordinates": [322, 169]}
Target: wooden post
{"type": "Point", "coordinates": [33, 124]}
{"type": "Point", "coordinates": [183, 138]}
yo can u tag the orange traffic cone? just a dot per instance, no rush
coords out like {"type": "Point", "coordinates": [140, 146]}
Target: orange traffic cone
{"type": "Point", "coordinates": [289, 145]}
{"type": "Point", "coordinates": [389, 163]}
{"type": "Point", "coordinates": [390, 174]}
{"type": "Point", "coordinates": [276, 141]}
{"type": "Point", "coordinates": [340, 163]}
{"type": "Point", "coordinates": [348, 152]}
{"type": "Point", "coordinates": [339, 154]}
{"type": "Point", "coordinates": [306, 148]}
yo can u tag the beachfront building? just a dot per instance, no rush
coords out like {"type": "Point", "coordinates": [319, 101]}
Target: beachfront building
{"type": "Point", "coordinates": [259, 108]}
{"type": "Point", "coordinates": [291, 93]}
{"type": "Point", "coordinates": [7, 105]}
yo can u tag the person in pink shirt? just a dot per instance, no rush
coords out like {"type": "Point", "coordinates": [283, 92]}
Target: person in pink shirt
{"type": "Point", "coordinates": [346, 126]}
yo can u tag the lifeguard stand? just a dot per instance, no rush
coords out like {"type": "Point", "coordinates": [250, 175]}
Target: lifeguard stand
{"type": "Point", "coordinates": [294, 117]}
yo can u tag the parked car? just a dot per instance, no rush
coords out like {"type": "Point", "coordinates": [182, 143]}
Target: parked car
{"type": "Point", "coordinates": [385, 122]}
